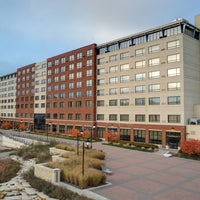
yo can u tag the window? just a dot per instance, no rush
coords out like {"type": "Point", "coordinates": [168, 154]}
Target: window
{"type": "Point", "coordinates": [88, 93]}
{"type": "Point", "coordinates": [140, 101]}
{"type": "Point", "coordinates": [140, 77]}
{"type": "Point", "coordinates": [55, 87]}
{"type": "Point", "coordinates": [100, 92]}
{"type": "Point", "coordinates": [154, 61]}
{"type": "Point", "coordinates": [70, 116]}
{"type": "Point", "coordinates": [70, 104]}
{"type": "Point", "coordinates": [113, 102]}
{"type": "Point", "coordinates": [55, 116]}
{"type": "Point", "coordinates": [140, 52]}
{"type": "Point", "coordinates": [100, 117]}
{"type": "Point", "coordinates": [71, 76]}
{"type": "Point", "coordinates": [124, 102]}
{"type": "Point", "coordinates": [100, 61]}
{"type": "Point", "coordinates": [56, 62]}
{"type": "Point", "coordinates": [112, 91]}
{"type": "Point", "coordinates": [56, 70]}
{"type": "Point", "coordinates": [100, 81]}
{"type": "Point", "coordinates": [173, 44]}
{"type": "Point", "coordinates": [79, 75]}
{"type": "Point", "coordinates": [56, 79]}
{"type": "Point", "coordinates": [124, 79]}
{"type": "Point", "coordinates": [124, 118]}
{"type": "Point", "coordinates": [71, 67]}
{"type": "Point", "coordinates": [124, 67]}
{"type": "Point", "coordinates": [124, 90]}
{"type": "Point", "coordinates": [62, 95]}
{"type": "Point", "coordinates": [174, 100]}
{"type": "Point", "coordinates": [154, 101]}
{"type": "Point", "coordinates": [174, 118]}
{"type": "Point", "coordinates": [173, 58]}
{"type": "Point", "coordinates": [71, 85]}
{"type": "Point", "coordinates": [89, 63]}
{"type": "Point", "coordinates": [88, 117]}
{"type": "Point", "coordinates": [78, 104]}
{"type": "Point", "coordinates": [153, 75]}
{"type": "Point", "coordinates": [154, 118]}
{"type": "Point", "coordinates": [113, 69]}
{"type": "Point", "coordinates": [62, 69]}
{"type": "Point", "coordinates": [113, 58]}
{"type": "Point", "coordinates": [62, 78]}
{"type": "Point", "coordinates": [55, 104]}
{"type": "Point", "coordinates": [154, 88]}
{"type": "Point", "coordinates": [78, 94]}
{"type": "Point", "coordinates": [155, 137]}
{"type": "Point", "coordinates": [89, 83]}
{"type": "Point", "coordinates": [89, 52]}
{"type": "Point", "coordinates": [140, 118]}
{"type": "Point", "coordinates": [112, 117]}
{"type": "Point", "coordinates": [124, 55]}
{"type": "Point", "coordinates": [140, 89]}
{"type": "Point", "coordinates": [173, 72]}
{"type": "Point", "coordinates": [174, 86]}
{"type": "Point", "coordinates": [153, 49]}
{"type": "Point", "coordinates": [100, 103]}
{"type": "Point", "coordinates": [62, 104]}
{"type": "Point", "coordinates": [78, 116]}
{"type": "Point", "coordinates": [70, 95]}
{"type": "Point", "coordinates": [63, 60]}
{"type": "Point", "coordinates": [71, 58]}
{"type": "Point", "coordinates": [62, 127]}
{"type": "Point", "coordinates": [78, 84]}
{"type": "Point", "coordinates": [100, 71]}
{"type": "Point", "coordinates": [89, 72]}
{"type": "Point", "coordinates": [79, 55]}
{"type": "Point", "coordinates": [140, 64]}
{"type": "Point", "coordinates": [139, 135]}
{"type": "Point", "coordinates": [113, 80]}
{"type": "Point", "coordinates": [88, 103]}
{"type": "Point", "coordinates": [62, 87]}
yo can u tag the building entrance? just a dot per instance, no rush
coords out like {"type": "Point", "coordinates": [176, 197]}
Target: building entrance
{"type": "Point", "coordinates": [173, 139]}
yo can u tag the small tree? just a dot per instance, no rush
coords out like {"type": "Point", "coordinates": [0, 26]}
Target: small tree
{"type": "Point", "coordinates": [21, 127]}
{"type": "Point", "coordinates": [86, 134]}
{"type": "Point", "coordinates": [74, 132]}
{"type": "Point", "coordinates": [6, 125]}
{"type": "Point", "coordinates": [110, 136]}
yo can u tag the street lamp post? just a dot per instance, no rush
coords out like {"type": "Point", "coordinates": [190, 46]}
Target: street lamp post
{"type": "Point", "coordinates": [77, 140]}
{"type": "Point", "coordinates": [83, 159]}
{"type": "Point", "coordinates": [48, 130]}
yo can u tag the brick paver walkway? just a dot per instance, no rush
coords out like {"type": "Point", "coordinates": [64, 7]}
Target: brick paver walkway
{"type": "Point", "coordinates": [149, 176]}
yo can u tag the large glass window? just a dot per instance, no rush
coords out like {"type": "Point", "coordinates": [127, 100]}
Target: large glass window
{"type": "Point", "coordinates": [125, 134]}
{"type": "Point", "coordinates": [113, 80]}
{"type": "Point", "coordinates": [100, 81]}
{"type": "Point", "coordinates": [113, 58]}
{"type": "Point", "coordinates": [124, 90]}
{"type": "Point", "coordinates": [140, 118]}
{"type": "Point", "coordinates": [100, 71]}
{"type": "Point", "coordinates": [100, 92]}
{"type": "Point", "coordinates": [155, 137]}
{"type": "Point", "coordinates": [100, 103]}
{"type": "Point", "coordinates": [100, 117]}
{"type": "Point", "coordinates": [124, 55]}
{"type": "Point", "coordinates": [113, 69]}
{"type": "Point", "coordinates": [112, 91]}
{"type": "Point", "coordinates": [124, 79]}
{"type": "Point", "coordinates": [139, 135]}
{"type": "Point", "coordinates": [124, 117]}
{"type": "Point", "coordinates": [112, 117]}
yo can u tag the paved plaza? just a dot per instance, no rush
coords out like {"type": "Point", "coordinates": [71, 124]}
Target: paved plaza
{"type": "Point", "coordinates": [149, 176]}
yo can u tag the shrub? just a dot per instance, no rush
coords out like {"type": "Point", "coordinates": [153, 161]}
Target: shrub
{"type": "Point", "coordinates": [96, 154]}
{"type": "Point", "coordinates": [6, 125]}
{"type": "Point", "coordinates": [191, 147]}
{"type": "Point", "coordinates": [110, 136]}
{"type": "Point", "coordinates": [8, 169]}
{"type": "Point", "coordinates": [65, 147]}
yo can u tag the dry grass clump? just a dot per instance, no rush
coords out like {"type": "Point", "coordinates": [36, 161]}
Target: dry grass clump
{"type": "Point", "coordinates": [65, 147]}
{"type": "Point", "coordinates": [93, 153]}
{"type": "Point", "coordinates": [71, 170]}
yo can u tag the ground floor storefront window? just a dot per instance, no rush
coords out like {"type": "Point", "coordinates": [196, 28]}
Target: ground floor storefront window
{"type": "Point", "coordinates": [155, 137]}
{"type": "Point", "coordinates": [139, 135]}
{"type": "Point", "coordinates": [125, 134]}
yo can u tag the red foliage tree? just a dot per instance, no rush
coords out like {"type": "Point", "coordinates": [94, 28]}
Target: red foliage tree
{"type": "Point", "coordinates": [74, 132]}
{"type": "Point", "coordinates": [191, 147]}
{"type": "Point", "coordinates": [6, 125]}
{"type": "Point", "coordinates": [21, 127]}
{"type": "Point", "coordinates": [110, 136]}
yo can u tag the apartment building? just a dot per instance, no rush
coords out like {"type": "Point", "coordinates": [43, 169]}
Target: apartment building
{"type": "Point", "coordinates": [147, 84]}
{"type": "Point", "coordinates": [143, 87]}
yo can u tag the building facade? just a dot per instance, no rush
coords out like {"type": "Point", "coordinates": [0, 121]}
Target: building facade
{"type": "Point", "coordinates": [142, 87]}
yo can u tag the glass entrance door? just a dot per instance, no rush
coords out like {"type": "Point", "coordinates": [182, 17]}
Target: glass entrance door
{"type": "Point", "coordinates": [173, 139]}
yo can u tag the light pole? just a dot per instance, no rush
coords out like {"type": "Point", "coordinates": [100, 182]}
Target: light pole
{"type": "Point", "coordinates": [49, 125]}
{"type": "Point", "coordinates": [83, 159]}
{"type": "Point", "coordinates": [77, 145]}
{"type": "Point", "coordinates": [92, 135]}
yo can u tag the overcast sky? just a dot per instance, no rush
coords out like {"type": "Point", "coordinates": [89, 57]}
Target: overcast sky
{"type": "Point", "coordinates": [34, 30]}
